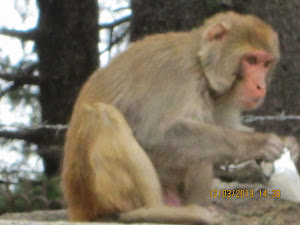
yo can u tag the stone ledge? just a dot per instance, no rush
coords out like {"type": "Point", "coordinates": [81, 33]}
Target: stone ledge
{"type": "Point", "coordinates": [22, 222]}
{"type": "Point", "coordinates": [48, 217]}
{"type": "Point", "coordinates": [39, 215]}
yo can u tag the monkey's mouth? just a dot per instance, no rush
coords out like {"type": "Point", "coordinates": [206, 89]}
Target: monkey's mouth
{"type": "Point", "coordinates": [256, 100]}
{"type": "Point", "coordinates": [252, 103]}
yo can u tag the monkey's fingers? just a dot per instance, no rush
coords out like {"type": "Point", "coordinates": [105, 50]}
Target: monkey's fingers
{"type": "Point", "coordinates": [293, 146]}
{"type": "Point", "coordinates": [276, 142]}
{"type": "Point", "coordinates": [273, 148]}
{"type": "Point", "coordinates": [271, 153]}
{"type": "Point", "coordinates": [270, 157]}
{"type": "Point", "coordinates": [175, 215]}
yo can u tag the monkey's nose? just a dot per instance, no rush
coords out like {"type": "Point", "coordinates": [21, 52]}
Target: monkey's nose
{"type": "Point", "coordinates": [259, 87]}
{"type": "Point", "coordinates": [260, 91]}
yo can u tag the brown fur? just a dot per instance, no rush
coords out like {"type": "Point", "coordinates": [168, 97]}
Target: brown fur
{"type": "Point", "coordinates": [168, 87]}
{"type": "Point", "coordinates": [120, 176]}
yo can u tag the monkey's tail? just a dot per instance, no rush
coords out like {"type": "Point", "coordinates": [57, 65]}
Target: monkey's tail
{"type": "Point", "coordinates": [171, 215]}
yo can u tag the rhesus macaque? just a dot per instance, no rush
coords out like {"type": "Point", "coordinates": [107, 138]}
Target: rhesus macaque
{"type": "Point", "coordinates": [118, 176]}
{"type": "Point", "coordinates": [168, 87]}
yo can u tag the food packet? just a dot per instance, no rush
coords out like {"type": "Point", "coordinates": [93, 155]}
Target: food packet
{"type": "Point", "coordinates": [283, 176]}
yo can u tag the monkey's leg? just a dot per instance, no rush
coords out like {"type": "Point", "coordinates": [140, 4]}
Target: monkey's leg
{"type": "Point", "coordinates": [148, 186]}
{"type": "Point", "coordinates": [198, 182]}
{"type": "Point", "coordinates": [164, 214]}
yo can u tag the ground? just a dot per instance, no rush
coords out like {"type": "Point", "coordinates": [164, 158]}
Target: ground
{"type": "Point", "coordinates": [237, 211]}
{"type": "Point", "coordinates": [259, 211]}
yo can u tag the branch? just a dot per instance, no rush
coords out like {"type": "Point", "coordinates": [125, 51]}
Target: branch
{"type": "Point", "coordinates": [121, 9]}
{"type": "Point", "coordinates": [23, 35]}
{"type": "Point", "coordinates": [280, 117]}
{"type": "Point", "coordinates": [25, 76]}
{"type": "Point", "coordinates": [115, 23]}
{"type": "Point", "coordinates": [9, 89]}
{"type": "Point", "coordinates": [116, 40]}
{"type": "Point", "coordinates": [42, 134]}
{"type": "Point", "coordinates": [20, 78]}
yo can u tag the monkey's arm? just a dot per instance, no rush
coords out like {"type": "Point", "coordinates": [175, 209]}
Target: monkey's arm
{"type": "Point", "coordinates": [205, 141]}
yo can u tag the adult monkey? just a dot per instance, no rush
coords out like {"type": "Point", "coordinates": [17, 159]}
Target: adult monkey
{"type": "Point", "coordinates": [119, 177]}
{"type": "Point", "coordinates": [167, 87]}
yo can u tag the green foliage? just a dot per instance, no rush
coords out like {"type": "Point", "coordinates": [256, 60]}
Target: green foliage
{"type": "Point", "coordinates": [28, 194]}
{"type": "Point", "coordinates": [23, 96]}
{"type": "Point", "coordinates": [3, 203]}
{"type": "Point", "coordinates": [54, 190]}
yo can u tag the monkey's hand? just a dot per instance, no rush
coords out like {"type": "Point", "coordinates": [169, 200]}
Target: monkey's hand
{"type": "Point", "coordinates": [269, 146]}
{"type": "Point", "coordinates": [293, 146]}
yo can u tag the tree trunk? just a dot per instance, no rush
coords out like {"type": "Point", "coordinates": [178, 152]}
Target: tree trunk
{"type": "Point", "coordinates": [67, 48]}
{"type": "Point", "coordinates": [161, 16]}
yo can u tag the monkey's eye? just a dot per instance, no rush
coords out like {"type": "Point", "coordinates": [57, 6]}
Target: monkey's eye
{"type": "Point", "coordinates": [267, 63]}
{"type": "Point", "coordinates": [252, 60]}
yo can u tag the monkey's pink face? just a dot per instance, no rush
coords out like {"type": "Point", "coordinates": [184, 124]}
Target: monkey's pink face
{"type": "Point", "coordinates": [252, 88]}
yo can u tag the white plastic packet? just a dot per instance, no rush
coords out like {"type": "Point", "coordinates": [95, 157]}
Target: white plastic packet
{"type": "Point", "coordinates": [284, 177]}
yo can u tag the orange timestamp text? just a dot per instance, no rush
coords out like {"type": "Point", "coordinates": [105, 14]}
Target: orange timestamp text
{"type": "Point", "coordinates": [243, 193]}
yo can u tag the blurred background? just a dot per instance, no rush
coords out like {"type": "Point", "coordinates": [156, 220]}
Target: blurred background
{"type": "Point", "coordinates": [49, 48]}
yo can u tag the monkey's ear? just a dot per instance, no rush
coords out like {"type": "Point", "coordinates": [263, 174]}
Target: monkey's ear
{"type": "Point", "coordinates": [220, 84]}
{"type": "Point", "coordinates": [218, 78]}
{"type": "Point", "coordinates": [218, 31]}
